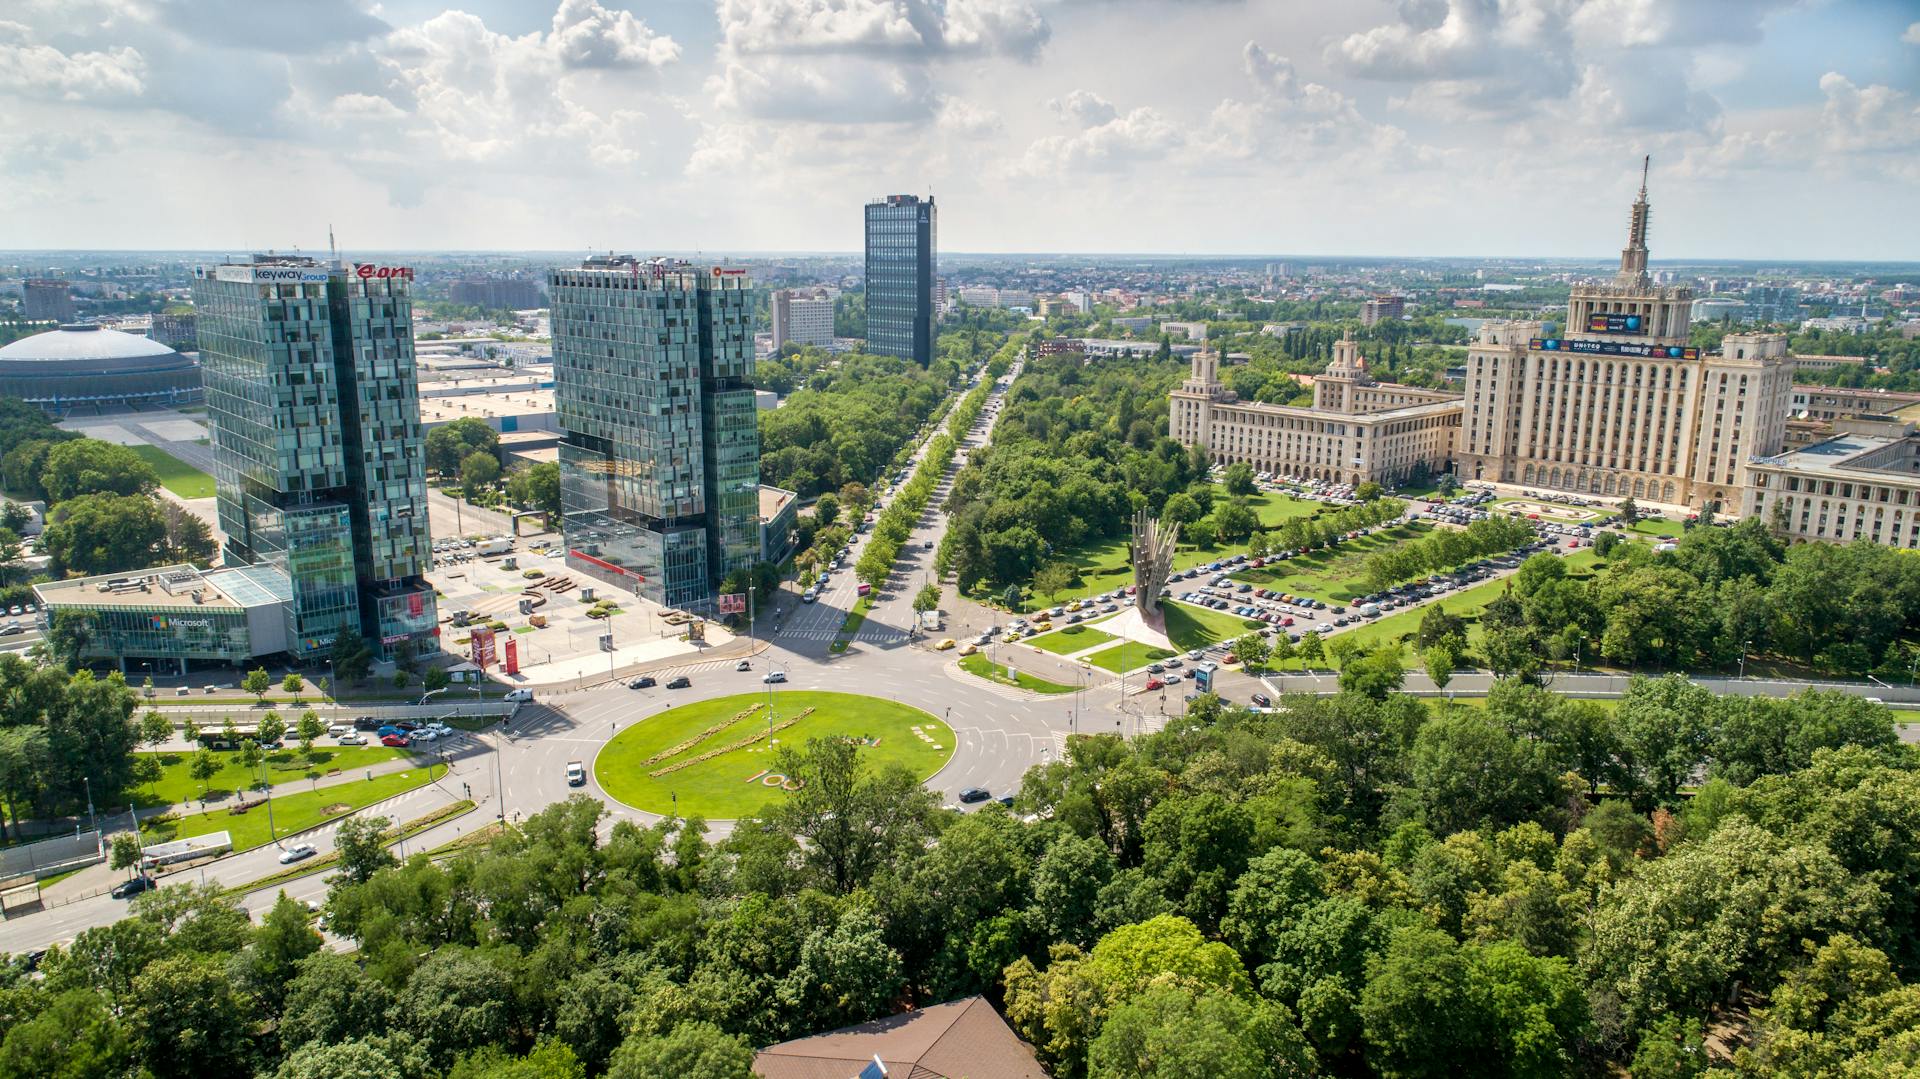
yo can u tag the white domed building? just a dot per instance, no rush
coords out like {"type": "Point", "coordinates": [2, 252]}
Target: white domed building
{"type": "Point", "coordinates": [81, 364]}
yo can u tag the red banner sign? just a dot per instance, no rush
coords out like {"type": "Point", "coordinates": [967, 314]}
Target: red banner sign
{"type": "Point", "coordinates": [605, 565]}
{"type": "Point", "coordinates": [369, 271]}
{"type": "Point", "coordinates": [512, 662]}
{"type": "Point", "coordinates": [417, 604]}
{"type": "Point", "coordinates": [483, 648]}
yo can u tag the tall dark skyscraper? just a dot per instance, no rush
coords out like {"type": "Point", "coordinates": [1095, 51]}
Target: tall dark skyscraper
{"type": "Point", "coordinates": [319, 463]}
{"type": "Point", "coordinates": [902, 236]}
{"type": "Point", "coordinates": [660, 467]}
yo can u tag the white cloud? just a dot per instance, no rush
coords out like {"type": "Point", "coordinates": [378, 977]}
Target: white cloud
{"type": "Point", "coordinates": [43, 71]}
{"type": "Point", "coordinates": [895, 29]}
{"type": "Point", "coordinates": [586, 34]}
{"type": "Point", "coordinates": [1083, 108]}
{"type": "Point", "coordinates": [1912, 36]}
{"type": "Point", "coordinates": [967, 120]}
{"type": "Point", "coordinates": [1119, 141]}
{"type": "Point", "coordinates": [1871, 122]}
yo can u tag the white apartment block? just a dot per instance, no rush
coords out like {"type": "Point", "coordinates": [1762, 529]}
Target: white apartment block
{"type": "Point", "coordinates": [1620, 405]}
{"type": "Point", "coordinates": [1356, 430]}
{"type": "Point", "coordinates": [803, 316]}
{"type": "Point", "coordinates": [1864, 483]}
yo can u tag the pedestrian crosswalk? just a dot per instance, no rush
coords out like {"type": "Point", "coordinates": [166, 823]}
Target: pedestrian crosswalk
{"type": "Point", "coordinates": [867, 634]}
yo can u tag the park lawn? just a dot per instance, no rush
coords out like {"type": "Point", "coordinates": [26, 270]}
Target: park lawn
{"type": "Point", "coordinates": [176, 475]}
{"type": "Point", "coordinates": [1003, 673]}
{"type": "Point", "coordinates": [1659, 526]}
{"type": "Point", "coordinates": [291, 812]}
{"type": "Point", "coordinates": [1128, 655]}
{"type": "Point", "coordinates": [1063, 642]}
{"type": "Point", "coordinates": [857, 616]}
{"type": "Point", "coordinates": [726, 786]}
{"type": "Point", "coordinates": [177, 786]}
{"type": "Point", "coordinates": [1190, 627]}
{"type": "Point", "coordinates": [1336, 574]}
{"type": "Point", "coordinates": [1273, 507]}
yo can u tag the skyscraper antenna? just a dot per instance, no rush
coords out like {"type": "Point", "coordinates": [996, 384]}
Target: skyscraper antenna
{"type": "Point", "coordinates": [1645, 163]}
{"type": "Point", "coordinates": [333, 251]}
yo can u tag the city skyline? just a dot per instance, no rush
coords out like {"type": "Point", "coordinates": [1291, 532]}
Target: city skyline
{"type": "Point", "coordinates": [1445, 128]}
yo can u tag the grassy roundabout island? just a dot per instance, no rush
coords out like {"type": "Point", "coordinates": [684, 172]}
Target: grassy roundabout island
{"type": "Point", "coordinates": [716, 755]}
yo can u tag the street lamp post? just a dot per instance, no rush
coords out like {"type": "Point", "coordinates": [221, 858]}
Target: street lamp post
{"type": "Point", "coordinates": [91, 822]}
{"type": "Point", "coordinates": [1744, 645]}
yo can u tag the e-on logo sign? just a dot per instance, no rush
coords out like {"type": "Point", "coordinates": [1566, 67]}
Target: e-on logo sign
{"type": "Point", "coordinates": [367, 271]}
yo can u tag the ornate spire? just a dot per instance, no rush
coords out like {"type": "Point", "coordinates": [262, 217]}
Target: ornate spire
{"type": "Point", "coordinates": [1633, 258]}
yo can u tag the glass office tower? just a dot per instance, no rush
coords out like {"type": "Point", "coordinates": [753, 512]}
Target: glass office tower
{"type": "Point", "coordinates": [319, 462]}
{"type": "Point", "coordinates": [901, 265]}
{"type": "Point", "coordinates": [660, 464]}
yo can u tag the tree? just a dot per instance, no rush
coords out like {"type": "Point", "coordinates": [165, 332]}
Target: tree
{"type": "Point", "coordinates": [203, 767]}
{"type": "Point", "coordinates": [1181, 509]}
{"type": "Point", "coordinates": [826, 509]}
{"type": "Point", "coordinates": [435, 678]}
{"type": "Point", "coordinates": [852, 821]}
{"type": "Point", "coordinates": [457, 1001]}
{"type": "Point", "coordinates": [89, 466]}
{"type": "Point", "coordinates": [1441, 660]}
{"type": "Point", "coordinates": [1367, 491]}
{"type": "Point", "coordinates": [1629, 512]}
{"type": "Point", "coordinates": [1171, 1030]}
{"type": "Point", "coordinates": [311, 728]}
{"type": "Point", "coordinates": [691, 1050]}
{"type": "Point", "coordinates": [257, 682]}
{"type": "Point", "coordinates": [188, 539]}
{"type": "Point", "coordinates": [479, 470]}
{"type": "Point", "coordinates": [187, 1020]}
{"type": "Point", "coordinates": [450, 444]}
{"type": "Point", "coordinates": [1054, 578]}
{"type": "Point", "coordinates": [536, 487]}
{"type": "Point", "coordinates": [105, 533]}
{"type": "Point", "coordinates": [292, 684]}
{"type": "Point", "coordinates": [77, 1036]}
{"type": "Point", "coordinates": [125, 851]}
{"type": "Point", "coordinates": [350, 657]}
{"type": "Point", "coordinates": [1238, 479]}
{"type": "Point", "coordinates": [1011, 598]}
{"type": "Point", "coordinates": [362, 847]}
{"type": "Point", "coordinates": [155, 728]}
{"type": "Point", "coordinates": [331, 999]}
{"type": "Point", "coordinates": [1376, 672]}
{"type": "Point", "coordinates": [927, 599]}
{"type": "Point", "coordinates": [272, 960]}
{"type": "Point", "coordinates": [1312, 648]}
{"type": "Point", "coordinates": [1235, 520]}
{"type": "Point", "coordinates": [1604, 543]}
{"type": "Point", "coordinates": [1665, 726]}
{"type": "Point", "coordinates": [272, 728]}
{"type": "Point", "coordinates": [1252, 650]}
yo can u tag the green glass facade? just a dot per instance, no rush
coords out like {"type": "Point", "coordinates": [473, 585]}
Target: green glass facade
{"type": "Point", "coordinates": [660, 466]}
{"type": "Point", "coordinates": [318, 450]}
{"type": "Point", "coordinates": [902, 237]}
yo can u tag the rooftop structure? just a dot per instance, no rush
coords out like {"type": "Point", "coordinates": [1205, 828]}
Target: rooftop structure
{"type": "Point", "coordinates": [963, 1039]}
{"type": "Point", "coordinates": [76, 364]}
{"type": "Point", "coordinates": [1863, 483]}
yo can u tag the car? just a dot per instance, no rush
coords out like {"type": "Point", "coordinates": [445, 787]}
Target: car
{"type": "Point", "coordinates": [679, 681]}
{"type": "Point", "coordinates": [127, 889]}
{"type": "Point", "coordinates": [1172, 679]}
{"type": "Point", "coordinates": [388, 728]}
{"type": "Point", "coordinates": [945, 643]}
{"type": "Point", "coordinates": [576, 774]}
{"type": "Point", "coordinates": [518, 696]}
{"type": "Point", "coordinates": [1261, 700]}
{"type": "Point", "coordinates": [743, 665]}
{"type": "Point", "coordinates": [365, 723]}
{"type": "Point", "coordinates": [772, 677]}
{"type": "Point", "coordinates": [298, 852]}
{"type": "Point", "coordinates": [974, 794]}
{"type": "Point", "coordinates": [1154, 668]}
{"type": "Point", "coordinates": [353, 740]}
{"type": "Point", "coordinates": [394, 741]}
{"type": "Point", "coordinates": [645, 681]}
{"type": "Point", "coordinates": [407, 725]}
{"type": "Point", "coordinates": [1155, 683]}
{"type": "Point", "coordinates": [424, 734]}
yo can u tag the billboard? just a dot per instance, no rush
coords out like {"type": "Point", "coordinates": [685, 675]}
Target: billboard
{"type": "Point", "coordinates": [734, 603]}
{"type": "Point", "coordinates": [483, 648]}
{"type": "Point", "coordinates": [1614, 348]}
{"type": "Point", "coordinates": [512, 661]}
{"type": "Point", "coordinates": [1203, 679]}
{"type": "Point", "coordinates": [1608, 322]}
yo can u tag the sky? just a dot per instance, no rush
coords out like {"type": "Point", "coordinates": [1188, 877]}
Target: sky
{"type": "Point", "coordinates": [1778, 129]}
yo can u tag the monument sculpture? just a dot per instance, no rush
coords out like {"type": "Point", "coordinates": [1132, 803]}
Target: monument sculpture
{"type": "Point", "coordinates": [1153, 546]}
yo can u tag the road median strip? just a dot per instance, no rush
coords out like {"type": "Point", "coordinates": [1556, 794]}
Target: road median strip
{"type": "Point", "coordinates": [322, 863]}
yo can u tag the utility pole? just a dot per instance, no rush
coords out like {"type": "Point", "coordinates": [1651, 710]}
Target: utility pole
{"type": "Point", "coordinates": [91, 822]}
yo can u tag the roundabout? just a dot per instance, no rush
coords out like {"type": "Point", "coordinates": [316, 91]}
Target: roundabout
{"type": "Point", "coordinates": [716, 758]}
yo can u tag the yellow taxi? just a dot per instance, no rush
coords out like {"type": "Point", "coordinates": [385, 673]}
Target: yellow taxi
{"type": "Point", "coordinates": [970, 649]}
{"type": "Point", "coordinates": [945, 643]}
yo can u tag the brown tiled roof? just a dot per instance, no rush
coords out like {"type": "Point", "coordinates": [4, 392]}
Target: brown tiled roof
{"type": "Point", "coordinates": [962, 1039]}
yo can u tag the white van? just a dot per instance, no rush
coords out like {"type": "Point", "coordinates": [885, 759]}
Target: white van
{"type": "Point", "coordinates": [518, 696]}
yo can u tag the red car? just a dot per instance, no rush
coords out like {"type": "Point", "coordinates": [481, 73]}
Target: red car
{"type": "Point", "coordinates": [1155, 683]}
{"type": "Point", "coordinates": [394, 741]}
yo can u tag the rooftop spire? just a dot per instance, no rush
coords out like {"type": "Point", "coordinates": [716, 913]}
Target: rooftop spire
{"type": "Point", "coordinates": [1633, 258]}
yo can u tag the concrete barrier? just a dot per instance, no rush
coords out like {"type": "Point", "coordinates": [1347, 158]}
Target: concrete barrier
{"type": "Point", "coordinates": [51, 856]}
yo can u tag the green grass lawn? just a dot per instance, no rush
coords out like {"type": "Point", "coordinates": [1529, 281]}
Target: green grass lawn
{"type": "Point", "coordinates": [176, 786]}
{"type": "Point", "coordinates": [1126, 656]}
{"type": "Point", "coordinates": [1273, 508]}
{"type": "Point", "coordinates": [1334, 575]}
{"type": "Point", "coordinates": [729, 785]}
{"type": "Point", "coordinates": [1190, 627]}
{"type": "Point", "coordinates": [979, 664]}
{"type": "Point", "coordinates": [176, 475]}
{"type": "Point", "coordinates": [1072, 639]}
{"type": "Point", "coordinates": [292, 812]}
{"type": "Point", "coordinates": [1659, 526]}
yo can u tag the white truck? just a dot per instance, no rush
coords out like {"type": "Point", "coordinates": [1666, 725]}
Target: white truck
{"type": "Point", "coordinates": [576, 774]}
{"type": "Point", "coordinates": [496, 545]}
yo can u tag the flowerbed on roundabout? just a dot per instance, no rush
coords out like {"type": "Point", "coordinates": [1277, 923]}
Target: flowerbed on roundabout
{"type": "Point", "coordinates": [718, 756]}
